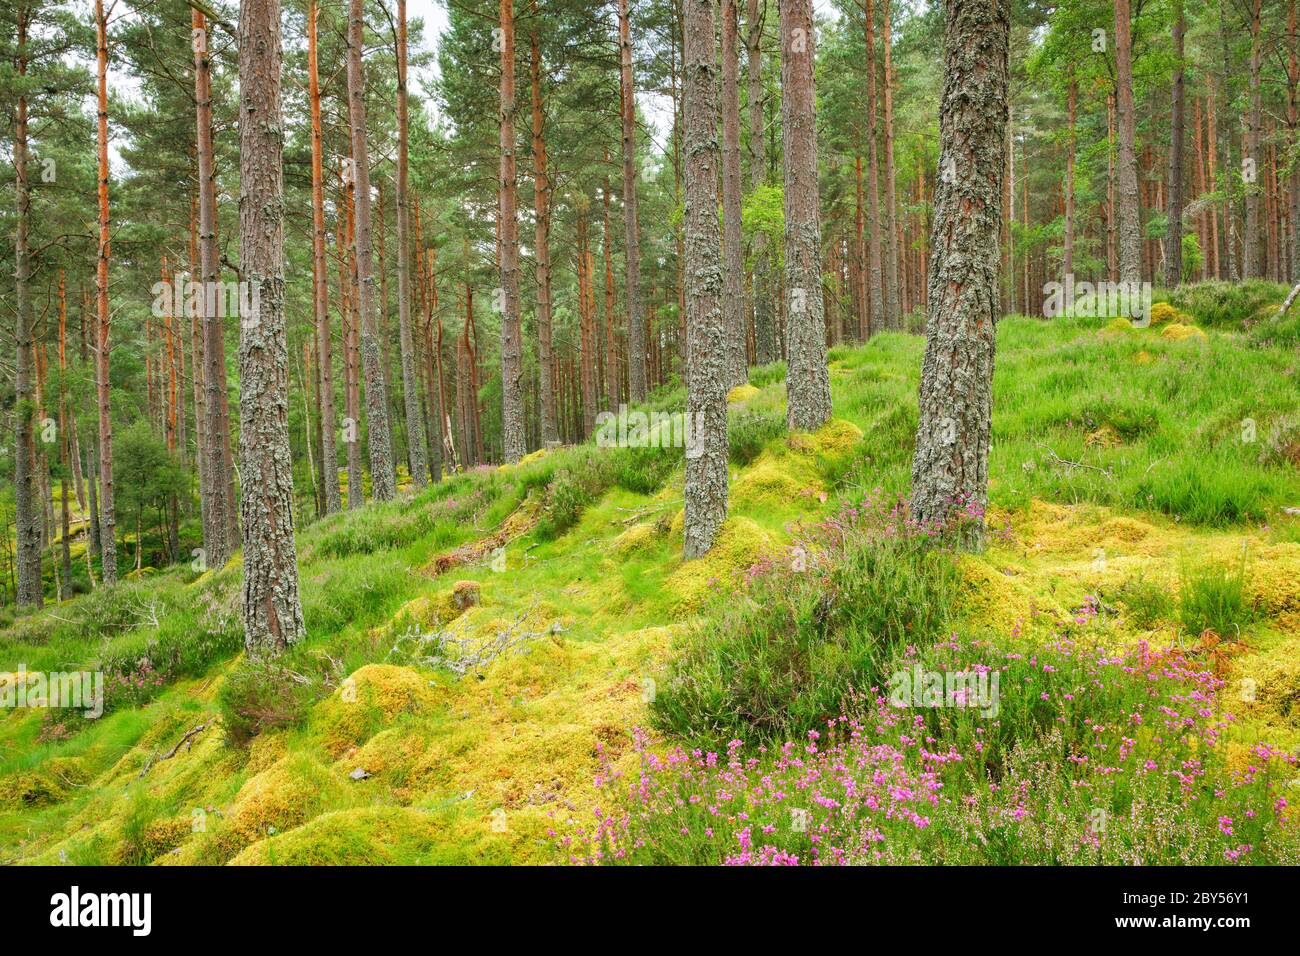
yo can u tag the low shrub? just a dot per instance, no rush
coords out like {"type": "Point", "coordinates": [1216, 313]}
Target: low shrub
{"type": "Point", "coordinates": [806, 632]}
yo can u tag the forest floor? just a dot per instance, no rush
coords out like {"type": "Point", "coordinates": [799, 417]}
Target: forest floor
{"type": "Point", "coordinates": [480, 653]}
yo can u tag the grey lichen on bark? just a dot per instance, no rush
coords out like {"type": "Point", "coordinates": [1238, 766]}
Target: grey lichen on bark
{"type": "Point", "coordinates": [272, 609]}
{"type": "Point", "coordinates": [950, 467]}
{"type": "Point", "coordinates": [808, 386]}
{"type": "Point", "coordinates": [705, 491]}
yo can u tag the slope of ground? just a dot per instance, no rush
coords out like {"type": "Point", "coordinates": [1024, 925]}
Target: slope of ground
{"type": "Point", "coordinates": [479, 654]}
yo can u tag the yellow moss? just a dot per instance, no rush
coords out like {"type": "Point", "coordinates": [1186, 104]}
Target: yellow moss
{"type": "Point", "coordinates": [742, 393]}
{"type": "Point", "coordinates": [1273, 581]}
{"type": "Point", "coordinates": [1116, 326]}
{"type": "Point", "coordinates": [50, 782]}
{"type": "Point", "coordinates": [990, 596]}
{"type": "Point", "coordinates": [285, 795]}
{"type": "Point", "coordinates": [1143, 357]}
{"type": "Point", "coordinates": [637, 538]}
{"type": "Point", "coordinates": [264, 751]}
{"type": "Point", "coordinates": [371, 697]}
{"type": "Point", "coordinates": [372, 836]}
{"type": "Point", "coordinates": [774, 482]}
{"type": "Point", "coordinates": [1178, 332]}
{"type": "Point", "coordinates": [739, 544]}
{"type": "Point", "coordinates": [1162, 313]}
{"type": "Point", "coordinates": [1128, 530]}
{"type": "Point", "coordinates": [833, 439]}
{"type": "Point", "coordinates": [1104, 437]}
{"type": "Point", "coordinates": [1272, 679]}
{"type": "Point", "coordinates": [526, 460]}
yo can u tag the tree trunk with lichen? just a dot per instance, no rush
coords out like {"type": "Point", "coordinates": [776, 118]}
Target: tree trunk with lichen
{"type": "Point", "coordinates": [1174, 234]}
{"type": "Point", "coordinates": [807, 380]}
{"type": "Point", "coordinates": [107, 505]}
{"type": "Point", "coordinates": [705, 491]}
{"type": "Point", "coordinates": [272, 608]}
{"type": "Point", "coordinates": [30, 592]}
{"type": "Point", "coordinates": [950, 468]}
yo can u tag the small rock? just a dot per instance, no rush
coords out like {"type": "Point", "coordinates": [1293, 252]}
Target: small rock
{"type": "Point", "coordinates": [360, 774]}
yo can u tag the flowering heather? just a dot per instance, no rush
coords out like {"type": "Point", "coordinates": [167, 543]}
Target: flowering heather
{"type": "Point", "coordinates": [1096, 756]}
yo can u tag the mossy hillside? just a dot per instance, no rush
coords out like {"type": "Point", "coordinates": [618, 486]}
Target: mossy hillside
{"type": "Point", "coordinates": [478, 767]}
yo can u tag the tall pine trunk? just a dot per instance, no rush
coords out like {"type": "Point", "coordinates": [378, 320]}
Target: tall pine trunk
{"type": "Point", "coordinates": [415, 450]}
{"type": "Point", "coordinates": [30, 591]}
{"type": "Point", "coordinates": [1254, 167]}
{"type": "Point", "coordinates": [950, 468]}
{"type": "Point", "coordinates": [1129, 212]}
{"type": "Point", "coordinates": [542, 239]}
{"type": "Point", "coordinates": [807, 381]}
{"type": "Point", "coordinates": [1067, 266]}
{"type": "Point", "coordinates": [320, 277]}
{"type": "Point", "coordinates": [636, 329]}
{"type": "Point", "coordinates": [379, 436]}
{"type": "Point", "coordinates": [1174, 235]}
{"type": "Point", "coordinates": [220, 521]}
{"type": "Point", "coordinates": [512, 368]}
{"type": "Point", "coordinates": [733, 298]}
{"type": "Point", "coordinates": [107, 509]}
{"type": "Point", "coordinates": [765, 346]}
{"type": "Point", "coordinates": [272, 609]}
{"type": "Point", "coordinates": [893, 303]}
{"type": "Point", "coordinates": [705, 490]}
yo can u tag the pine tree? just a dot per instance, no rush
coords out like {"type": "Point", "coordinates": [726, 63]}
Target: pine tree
{"type": "Point", "coordinates": [950, 468]}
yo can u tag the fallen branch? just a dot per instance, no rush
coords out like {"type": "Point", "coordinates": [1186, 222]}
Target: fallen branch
{"type": "Point", "coordinates": [184, 741]}
{"type": "Point", "coordinates": [1075, 464]}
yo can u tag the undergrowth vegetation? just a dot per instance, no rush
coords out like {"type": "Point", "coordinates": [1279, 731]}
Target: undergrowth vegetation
{"type": "Point", "coordinates": [505, 632]}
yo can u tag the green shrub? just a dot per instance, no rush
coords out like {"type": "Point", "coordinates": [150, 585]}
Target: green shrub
{"type": "Point", "coordinates": [262, 695]}
{"type": "Point", "coordinates": [1236, 305]}
{"type": "Point", "coordinates": [797, 646]}
{"type": "Point", "coordinates": [1212, 596]}
{"type": "Point", "coordinates": [1146, 602]}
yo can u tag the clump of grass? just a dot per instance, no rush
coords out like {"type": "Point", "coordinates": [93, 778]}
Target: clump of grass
{"type": "Point", "coordinates": [1212, 597]}
{"type": "Point", "coordinates": [1228, 304]}
{"type": "Point", "coordinates": [810, 630]}
{"type": "Point", "coordinates": [1146, 602]}
{"type": "Point", "coordinates": [748, 433]}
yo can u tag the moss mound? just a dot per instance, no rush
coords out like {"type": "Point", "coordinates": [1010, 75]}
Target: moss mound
{"type": "Point", "coordinates": [1178, 332]}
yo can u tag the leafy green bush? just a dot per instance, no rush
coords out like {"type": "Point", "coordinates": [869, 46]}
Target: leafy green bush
{"type": "Point", "coordinates": [805, 636]}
